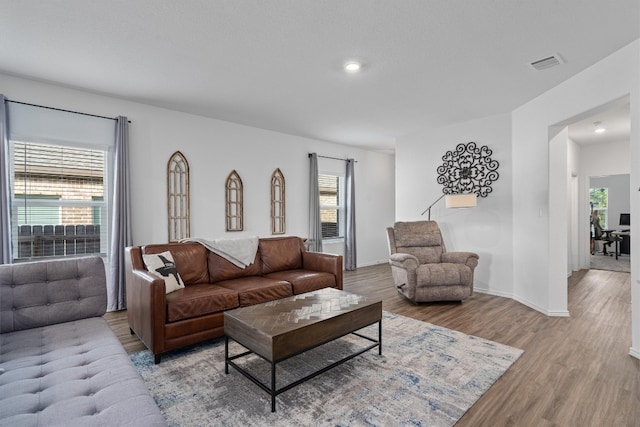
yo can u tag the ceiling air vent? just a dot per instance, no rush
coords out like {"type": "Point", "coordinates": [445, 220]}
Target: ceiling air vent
{"type": "Point", "coordinates": [546, 63]}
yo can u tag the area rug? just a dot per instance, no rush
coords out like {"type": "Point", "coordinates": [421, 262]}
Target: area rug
{"type": "Point", "coordinates": [601, 262]}
{"type": "Point", "coordinates": [427, 376]}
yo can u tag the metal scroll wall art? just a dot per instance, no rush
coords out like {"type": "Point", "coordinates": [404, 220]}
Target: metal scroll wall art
{"type": "Point", "coordinates": [468, 169]}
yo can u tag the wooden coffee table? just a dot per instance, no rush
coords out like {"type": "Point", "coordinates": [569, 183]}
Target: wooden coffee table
{"type": "Point", "coordinates": [280, 329]}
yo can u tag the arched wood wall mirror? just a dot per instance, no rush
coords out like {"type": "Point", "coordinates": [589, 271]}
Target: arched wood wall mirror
{"type": "Point", "coordinates": [278, 205]}
{"type": "Point", "coordinates": [234, 202]}
{"type": "Point", "coordinates": [178, 212]}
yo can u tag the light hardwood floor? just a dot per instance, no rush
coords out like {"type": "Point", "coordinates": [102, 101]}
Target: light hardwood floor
{"type": "Point", "coordinates": [575, 371]}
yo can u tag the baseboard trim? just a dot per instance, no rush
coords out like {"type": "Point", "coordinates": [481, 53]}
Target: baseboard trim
{"type": "Point", "coordinates": [550, 313]}
{"type": "Point", "coordinates": [634, 353]}
{"type": "Point", "coordinates": [523, 301]}
{"type": "Point", "coordinates": [530, 304]}
{"type": "Point", "coordinates": [369, 264]}
{"type": "Point", "coordinates": [493, 293]}
{"type": "Point", "coordinates": [562, 313]}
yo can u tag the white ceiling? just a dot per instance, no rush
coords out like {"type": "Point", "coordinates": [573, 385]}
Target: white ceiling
{"type": "Point", "coordinates": [613, 117]}
{"type": "Point", "coordinates": [277, 64]}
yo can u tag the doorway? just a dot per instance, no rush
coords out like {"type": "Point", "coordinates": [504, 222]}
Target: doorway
{"type": "Point", "coordinates": [610, 208]}
{"type": "Point", "coordinates": [600, 158]}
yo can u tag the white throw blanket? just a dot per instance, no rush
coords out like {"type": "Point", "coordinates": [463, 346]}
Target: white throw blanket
{"type": "Point", "coordinates": [241, 252]}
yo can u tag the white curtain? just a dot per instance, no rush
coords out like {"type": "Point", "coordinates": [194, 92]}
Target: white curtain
{"type": "Point", "coordinates": [315, 224]}
{"type": "Point", "coordinates": [5, 188]}
{"type": "Point", "coordinates": [121, 218]}
{"type": "Point", "coordinates": [350, 258]}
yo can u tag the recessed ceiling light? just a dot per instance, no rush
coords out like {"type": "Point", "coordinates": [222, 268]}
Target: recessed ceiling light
{"type": "Point", "coordinates": [601, 130]}
{"type": "Point", "coordinates": [599, 127]}
{"type": "Point", "coordinates": [352, 66]}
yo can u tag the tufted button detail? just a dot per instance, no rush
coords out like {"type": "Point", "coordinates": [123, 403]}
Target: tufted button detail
{"type": "Point", "coordinates": [79, 298]}
{"type": "Point", "coordinates": [13, 285]}
{"type": "Point", "coordinates": [13, 309]}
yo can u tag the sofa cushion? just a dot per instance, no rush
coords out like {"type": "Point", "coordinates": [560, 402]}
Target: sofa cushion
{"type": "Point", "coordinates": [257, 289]}
{"type": "Point", "coordinates": [425, 254]}
{"type": "Point", "coordinates": [443, 274]}
{"type": "Point", "coordinates": [190, 260]}
{"type": "Point", "coordinates": [281, 253]}
{"type": "Point", "coordinates": [421, 239]}
{"type": "Point", "coordinates": [221, 269]}
{"type": "Point", "coordinates": [40, 293]}
{"type": "Point", "coordinates": [304, 280]}
{"type": "Point", "coordinates": [163, 266]}
{"type": "Point", "coordinates": [417, 233]}
{"type": "Point", "coordinates": [71, 374]}
{"type": "Point", "coordinates": [198, 300]}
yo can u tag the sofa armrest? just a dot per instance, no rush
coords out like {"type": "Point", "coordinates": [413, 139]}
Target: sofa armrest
{"type": "Point", "coordinates": [328, 263]}
{"type": "Point", "coordinates": [146, 303]}
{"type": "Point", "coordinates": [405, 261]}
{"type": "Point", "coordinates": [468, 258]}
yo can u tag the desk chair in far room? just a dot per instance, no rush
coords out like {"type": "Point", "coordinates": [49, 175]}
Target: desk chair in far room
{"type": "Point", "coordinates": [605, 236]}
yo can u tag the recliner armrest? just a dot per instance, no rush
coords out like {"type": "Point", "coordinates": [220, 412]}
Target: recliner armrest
{"type": "Point", "coordinates": [406, 261]}
{"type": "Point", "coordinates": [468, 258]}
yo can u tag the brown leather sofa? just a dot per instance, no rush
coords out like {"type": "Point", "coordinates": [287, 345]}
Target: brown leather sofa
{"type": "Point", "coordinates": [164, 322]}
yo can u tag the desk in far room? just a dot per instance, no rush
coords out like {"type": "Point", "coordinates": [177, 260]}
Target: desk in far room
{"type": "Point", "coordinates": [623, 242]}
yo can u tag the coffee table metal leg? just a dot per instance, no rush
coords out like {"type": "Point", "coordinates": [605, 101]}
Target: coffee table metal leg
{"type": "Point", "coordinates": [380, 337]}
{"type": "Point", "coordinates": [226, 354]}
{"type": "Point", "coordinates": [273, 387]}
{"type": "Point", "coordinates": [273, 392]}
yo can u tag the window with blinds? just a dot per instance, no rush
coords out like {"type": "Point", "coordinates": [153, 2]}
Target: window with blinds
{"type": "Point", "coordinates": [59, 206]}
{"type": "Point", "coordinates": [331, 206]}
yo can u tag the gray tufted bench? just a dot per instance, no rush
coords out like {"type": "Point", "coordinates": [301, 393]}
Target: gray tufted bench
{"type": "Point", "coordinates": [60, 363]}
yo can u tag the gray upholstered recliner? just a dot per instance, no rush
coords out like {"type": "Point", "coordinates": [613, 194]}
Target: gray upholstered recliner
{"type": "Point", "coordinates": [422, 268]}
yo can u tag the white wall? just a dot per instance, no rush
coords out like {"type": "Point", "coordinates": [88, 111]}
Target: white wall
{"type": "Point", "coordinates": [573, 231]}
{"type": "Point", "coordinates": [485, 229]}
{"type": "Point", "coordinates": [618, 193]}
{"type": "Point", "coordinates": [559, 198]}
{"type": "Point", "coordinates": [214, 148]}
{"type": "Point", "coordinates": [539, 280]}
{"type": "Point", "coordinates": [612, 158]}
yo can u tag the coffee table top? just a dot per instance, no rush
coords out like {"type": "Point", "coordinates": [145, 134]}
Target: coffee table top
{"type": "Point", "coordinates": [277, 329]}
{"type": "Point", "coordinates": [278, 316]}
